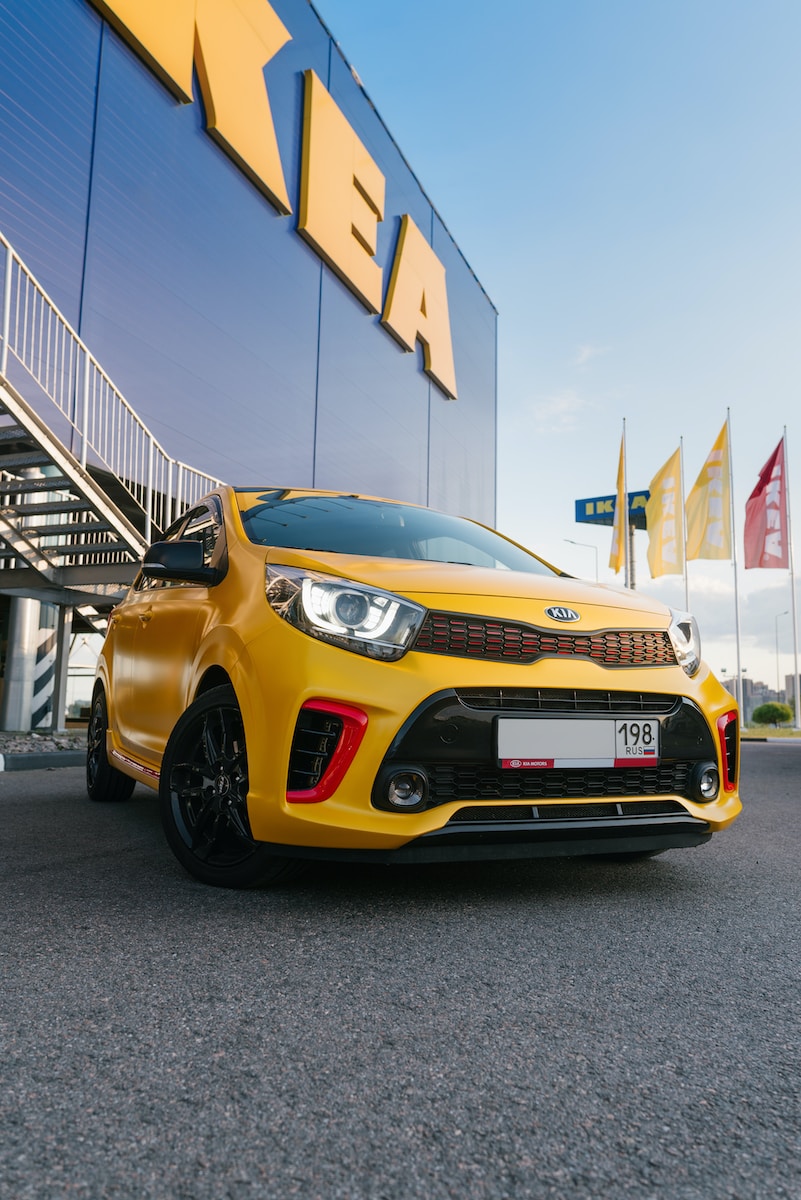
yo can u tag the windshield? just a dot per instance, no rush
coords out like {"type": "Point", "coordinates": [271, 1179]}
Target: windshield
{"type": "Point", "coordinates": [378, 529]}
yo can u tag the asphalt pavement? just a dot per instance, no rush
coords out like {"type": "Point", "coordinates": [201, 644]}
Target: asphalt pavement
{"type": "Point", "coordinates": [550, 1029]}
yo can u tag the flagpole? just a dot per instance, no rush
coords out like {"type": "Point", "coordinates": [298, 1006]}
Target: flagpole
{"type": "Point", "coordinates": [683, 528]}
{"type": "Point", "coordinates": [796, 698]}
{"type": "Point", "coordinates": [734, 566]}
{"type": "Point", "coordinates": [625, 523]}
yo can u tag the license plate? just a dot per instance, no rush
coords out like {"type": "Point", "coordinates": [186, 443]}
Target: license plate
{"type": "Point", "coordinates": [544, 743]}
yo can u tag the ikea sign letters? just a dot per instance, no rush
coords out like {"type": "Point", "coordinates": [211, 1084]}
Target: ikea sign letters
{"type": "Point", "coordinates": [600, 510]}
{"type": "Point", "coordinates": [342, 189]}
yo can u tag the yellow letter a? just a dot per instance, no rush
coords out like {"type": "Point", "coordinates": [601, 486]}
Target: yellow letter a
{"type": "Point", "coordinates": [417, 305]}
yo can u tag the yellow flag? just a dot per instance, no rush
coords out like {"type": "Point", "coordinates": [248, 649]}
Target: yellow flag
{"type": "Point", "coordinates": [664, 520]}
{"type": "Point", "coordinates": [617, 555]}
{"type": "Point", "coordinates": [708, 508]}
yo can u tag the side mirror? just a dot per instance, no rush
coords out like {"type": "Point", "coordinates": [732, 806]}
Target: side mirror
{"type": "Point", "coordinates": [179, 562]}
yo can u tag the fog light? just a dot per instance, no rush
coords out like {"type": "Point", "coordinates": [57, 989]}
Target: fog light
{"type": "Point", "coordinates": [706, 782]}
{"type": "Point", "coordinates": [407, 790]}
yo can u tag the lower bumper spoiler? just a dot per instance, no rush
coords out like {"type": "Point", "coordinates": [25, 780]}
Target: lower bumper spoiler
{"type": "Point", "coordinates": [521, 840]}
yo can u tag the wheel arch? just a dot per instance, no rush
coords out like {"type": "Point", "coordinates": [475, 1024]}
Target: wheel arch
{"type": "Point", "coordinates": [102, 680]}
{"type": "Point", "coordinates": [216, 663]}
{"type": "Point", "coordinates": [215, 676]}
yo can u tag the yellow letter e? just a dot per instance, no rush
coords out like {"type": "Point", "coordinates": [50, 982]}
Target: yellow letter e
{"type": "Point", "coordinates": [341, 195]}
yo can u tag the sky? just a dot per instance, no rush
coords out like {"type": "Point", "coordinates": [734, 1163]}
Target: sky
{"type": "Point", "coordinates": [624, 177]}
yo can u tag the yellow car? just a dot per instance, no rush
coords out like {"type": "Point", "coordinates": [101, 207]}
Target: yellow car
{"type": "Point", "coordinates": [307, 675]}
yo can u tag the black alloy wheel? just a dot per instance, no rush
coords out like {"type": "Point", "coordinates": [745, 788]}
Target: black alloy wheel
{"type": "Point", "coordinates": [203, 792]}
{"type": "Point", "coordinates": [103, 782]}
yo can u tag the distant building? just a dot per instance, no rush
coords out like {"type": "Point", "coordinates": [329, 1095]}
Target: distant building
{"type": "Point", "coordinates": [755, 693]}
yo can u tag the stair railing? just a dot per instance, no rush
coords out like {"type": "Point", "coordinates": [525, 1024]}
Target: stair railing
{"type": "Point", "coordinates": [103, 428]}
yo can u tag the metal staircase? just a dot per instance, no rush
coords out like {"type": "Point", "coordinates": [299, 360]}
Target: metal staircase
{"type": "Point", "coordinates": [84, 485]}
{"type": "Point", "coordinates": [61, 537]}
{"type": "Point", "coordinates": [84, 488]}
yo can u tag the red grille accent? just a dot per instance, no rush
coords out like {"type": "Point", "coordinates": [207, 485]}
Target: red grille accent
{"type": "Point", "coordinates": [506, 641]}
{"type": "Point", "coordinates": [729, 734]}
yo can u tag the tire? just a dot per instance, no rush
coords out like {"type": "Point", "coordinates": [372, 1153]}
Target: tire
{"type": "Point", "coordinates": [203, 793]}
{"type": "Point", "coordinates": [104, 783]}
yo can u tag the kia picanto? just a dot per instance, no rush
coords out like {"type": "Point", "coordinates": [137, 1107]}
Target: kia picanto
{"type": "Point", "coordinates": [315, 675]}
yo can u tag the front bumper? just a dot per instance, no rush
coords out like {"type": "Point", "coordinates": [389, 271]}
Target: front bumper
{"type": "Point", "coordinates": [477, 810]}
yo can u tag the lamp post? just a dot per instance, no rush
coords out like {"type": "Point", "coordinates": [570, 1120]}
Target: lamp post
{"type": "Point", "coordinates": [587, 546]}
{"type": "Point", "coordinates": [781, 614]}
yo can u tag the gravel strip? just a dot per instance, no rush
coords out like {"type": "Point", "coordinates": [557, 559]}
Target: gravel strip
{"type": "Point", "coordinates": [42, 743]}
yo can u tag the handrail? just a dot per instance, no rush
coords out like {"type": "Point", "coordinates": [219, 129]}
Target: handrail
{"type": "Point", "coordinates": [106, 429]}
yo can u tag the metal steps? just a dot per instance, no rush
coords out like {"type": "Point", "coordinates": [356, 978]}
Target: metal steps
{"type": "Point", "coordinates": [84, 485]}
{"type": "Point", "coordinates": [74, 522]}
{"type": "Point", "coordinates": [62, 537]}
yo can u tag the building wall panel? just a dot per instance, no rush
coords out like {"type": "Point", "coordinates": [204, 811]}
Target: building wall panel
{"type": "Point", "coordinates": [50, 52]}
{"type": "Point", "coordinates": [237, 346]}
{"type": "Point", "coordinates": [207, 306]}
{"type": "Point", "coordinates": [463, 432]}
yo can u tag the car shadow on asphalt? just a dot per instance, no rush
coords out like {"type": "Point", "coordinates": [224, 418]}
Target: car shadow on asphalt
{"type": "Point", "coordinates": [486, 881]}
{"type": "Point", "coordinates": [320, 881]}
{"type": "Point", "coordinates": [62, 835]}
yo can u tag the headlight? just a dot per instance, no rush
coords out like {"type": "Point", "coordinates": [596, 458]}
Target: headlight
{"type": "Point", "coordinates": [351, 615]}
{"type": "Point", "coordinates": [686, 640]}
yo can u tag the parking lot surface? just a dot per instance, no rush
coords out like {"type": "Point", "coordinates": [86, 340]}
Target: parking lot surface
{"type": "Point", "coordinates": [546, 1029]}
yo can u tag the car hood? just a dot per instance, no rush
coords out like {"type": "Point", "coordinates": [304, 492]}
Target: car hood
{"type": "Point", "coordinates": [480, 590]}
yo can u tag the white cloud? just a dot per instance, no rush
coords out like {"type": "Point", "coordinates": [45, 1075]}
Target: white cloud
{"type": "Point", "coordinates": [559, 413]}
{"type": "Point", "coordinates": [587, 352]}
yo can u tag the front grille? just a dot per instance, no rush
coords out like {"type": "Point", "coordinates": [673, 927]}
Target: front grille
{"type": "Point", "coordinates": [317, 734]}
{"type": "Point", "coordinates": [567, 700]}
{"type": "Point", "coordinates": [506, 813]}
{"type": "Point", "coordinates": [509, 641]}
{"type": "Point", "coordinates": [458, 781]}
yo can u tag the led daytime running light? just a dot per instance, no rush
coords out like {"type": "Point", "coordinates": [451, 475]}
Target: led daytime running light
{"type": "Point", "coordinates": [321, 601]}
{"type": "Point", "coordinates": [353, 616]}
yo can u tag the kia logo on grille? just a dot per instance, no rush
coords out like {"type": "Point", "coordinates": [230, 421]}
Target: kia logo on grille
{"type": "Point", "coordinates": [558, 613]}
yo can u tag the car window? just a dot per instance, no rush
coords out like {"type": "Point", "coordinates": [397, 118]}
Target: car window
{"type": "Point", "coordinates": [352, 525]}
{"type": "Point", "coordinates": [200, 524]}
{"type": "Point", "coordinates": [204, 526]}
{"type": "Point", "coordinates": [455, 550]}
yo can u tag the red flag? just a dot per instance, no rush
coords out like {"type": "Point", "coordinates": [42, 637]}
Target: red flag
{"type": "Point", "coordinates": [766, 516]}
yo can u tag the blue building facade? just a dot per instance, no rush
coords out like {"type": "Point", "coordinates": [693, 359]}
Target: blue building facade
{"type": "Point", "coordinates": [237, 341]}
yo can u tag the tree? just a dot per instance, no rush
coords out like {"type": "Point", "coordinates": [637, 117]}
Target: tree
{"type": "Point", "coordinates": [772, 714]}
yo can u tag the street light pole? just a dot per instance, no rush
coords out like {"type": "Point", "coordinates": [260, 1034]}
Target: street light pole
{"type": "Point", "coordinates": [781, 614]}
{"type": "Point", "coordinates": [587, 546]}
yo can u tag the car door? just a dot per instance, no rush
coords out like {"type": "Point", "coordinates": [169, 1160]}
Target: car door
{"type": "Point", "coordinates": [162, 624]}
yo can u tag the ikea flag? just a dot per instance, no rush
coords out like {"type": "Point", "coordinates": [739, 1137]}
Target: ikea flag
{"type": "Point", "coordinates": [664, 516]}
{"type": "Point", "coordinates": [707, 508]}
{"type": "Point", "coordinates": [618, 554]}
